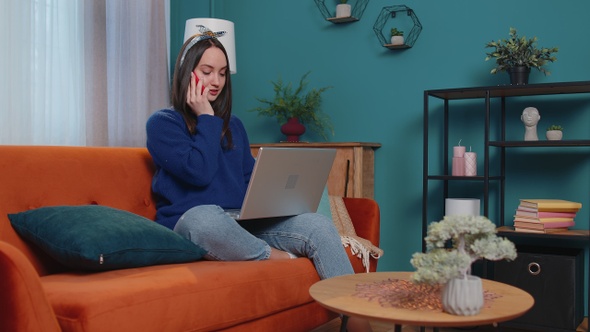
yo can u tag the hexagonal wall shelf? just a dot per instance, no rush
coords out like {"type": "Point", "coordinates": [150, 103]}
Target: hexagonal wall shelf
{"type": "Point", "coordinates": [391, 12]}
{"type": "Point", "coordinates": [358, 7]}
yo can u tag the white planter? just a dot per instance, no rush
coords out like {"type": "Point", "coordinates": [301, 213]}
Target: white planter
{"type": "Point", "coordinates": [463, 297]}
{"type": "Point", "coordinates": [397, 40]}
{"type": "Point", "coordinates": [554, 135]}
{"type": "Point", "coordinates": [343, 10]}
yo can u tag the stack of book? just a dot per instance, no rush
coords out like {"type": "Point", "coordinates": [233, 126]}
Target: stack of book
{"type": "Point", "coordinates": [545, 215]}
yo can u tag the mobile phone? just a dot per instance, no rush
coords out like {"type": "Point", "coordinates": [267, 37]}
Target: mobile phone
{"type": "Point", "coordinates": [197, 81]}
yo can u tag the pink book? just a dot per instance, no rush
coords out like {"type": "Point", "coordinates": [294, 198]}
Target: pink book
{"type": "Point", "coordinates": [544, 214]}
{"type": "Point", "coordinates": [547, 225]}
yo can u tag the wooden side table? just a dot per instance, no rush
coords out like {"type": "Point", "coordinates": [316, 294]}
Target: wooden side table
{"type": "Point", "coordinates": [337, 294]}
{"type": "Point", "coordinates": [353, 172]}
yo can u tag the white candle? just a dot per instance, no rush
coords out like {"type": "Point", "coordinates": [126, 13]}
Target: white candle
{"type": "Point", "coordinates": [470, 163]}
{"type": "Point", "coordinates": [461, 206]}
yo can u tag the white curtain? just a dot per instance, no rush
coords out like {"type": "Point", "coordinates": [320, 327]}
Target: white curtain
{"type": "Point", "coordinates": [42, 64]}
{"type": "Point", "coordinates": [81, 72]}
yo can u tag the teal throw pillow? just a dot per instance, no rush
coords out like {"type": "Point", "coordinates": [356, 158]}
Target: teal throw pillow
{"type": "Point", "coordinates": [100, 238]}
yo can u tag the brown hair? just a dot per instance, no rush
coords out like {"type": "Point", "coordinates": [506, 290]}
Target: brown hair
{"type": "Point", "coordinates": [181, 80]}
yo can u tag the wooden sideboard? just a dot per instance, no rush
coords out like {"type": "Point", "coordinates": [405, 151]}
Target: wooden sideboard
{"type": "Point", "coordinates": [353, 171]}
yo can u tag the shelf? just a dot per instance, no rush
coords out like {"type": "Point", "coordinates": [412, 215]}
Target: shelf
{"type": "Point", "coordinates": [562, 143]}
{"type": "Point", "coordinates": [394, 47]}
{"type": "Point", "coordinates": [512, 90]}
{"type": "Point", "coordinates": [495, 119]}
{"type": "Point", "coordinates": [388, 13]}
{"type": "Point", "coordinates": [319, 144]}
{"type": "Point", "coordinates": [342, 19]}
{"type": "Point", "coordinates": [572, 234]}
{"type": "Point", "coordinates": [462, 178]}
{"type": "Point", "coordinates": [357, 10]}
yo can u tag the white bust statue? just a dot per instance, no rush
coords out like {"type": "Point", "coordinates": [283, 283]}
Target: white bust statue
{"type": "Point", "coordinates": [530, 117]}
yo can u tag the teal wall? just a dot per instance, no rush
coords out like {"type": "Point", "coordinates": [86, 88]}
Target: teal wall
{"type": "Point", "coordinates": [377, 93]}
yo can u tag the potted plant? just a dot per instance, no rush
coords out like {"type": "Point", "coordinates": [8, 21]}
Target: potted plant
{"type": "Point", "coordinates": [517, 55]}
{"type": "Point", "coordinates": [397, 37]}
{"type": "Point", "coordinates": [294, 109]}
{"type": "Point", "coordinates": [343, 9]}
{"type": "Point", "coordinates": [471, 238]}
{"type": "Point", "coordinates": [554, 133]}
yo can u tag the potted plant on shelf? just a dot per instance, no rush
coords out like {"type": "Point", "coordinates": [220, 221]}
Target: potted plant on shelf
{"type": "Point", "coordinates": [294, 110]}
{"type": "Point", "coordinates": [471, 238]}
{"type": "Point", "coordinates": [397, 37]}
{"type": "Point", "coordinates": [343, 9]}
{"type": "Point", "coordinates": [517, 55]}
{"type": "Point", "coordinates": [554, 133]}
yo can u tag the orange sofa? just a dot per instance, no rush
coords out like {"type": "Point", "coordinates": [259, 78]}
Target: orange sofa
{"type": "Point", "coordinates": [40, 294]}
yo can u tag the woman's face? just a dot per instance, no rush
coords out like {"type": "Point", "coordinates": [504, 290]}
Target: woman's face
{"type": "Point", "coordinates": [211, 70]}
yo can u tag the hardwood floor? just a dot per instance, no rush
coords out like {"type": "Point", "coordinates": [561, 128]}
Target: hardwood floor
{"type": "Point", "coordinates": [334, 326]}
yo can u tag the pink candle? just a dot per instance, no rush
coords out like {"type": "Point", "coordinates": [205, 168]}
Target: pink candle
{"type": "Point", "coordinates": [470, 163]}
{"type": "Point", "coordinates": [458, 168]}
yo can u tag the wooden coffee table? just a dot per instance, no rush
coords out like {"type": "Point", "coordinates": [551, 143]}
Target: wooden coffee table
{"type": "Point", "coordinates": [337, 294]}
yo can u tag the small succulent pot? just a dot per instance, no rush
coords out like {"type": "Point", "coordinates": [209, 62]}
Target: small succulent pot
{"type": "Point", "coordinates": [554, 135]}
{"type": "Point", "coordinates": [397, 40]}
{"type": "Point", "coordinates": [397, 37]}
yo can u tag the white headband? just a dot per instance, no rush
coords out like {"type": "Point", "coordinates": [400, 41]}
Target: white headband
{"type": "Point", "coordinates": [204, 33]}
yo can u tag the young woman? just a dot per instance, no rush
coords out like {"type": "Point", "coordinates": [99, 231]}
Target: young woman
{"type": "Point", "coordinates": [203, 160]}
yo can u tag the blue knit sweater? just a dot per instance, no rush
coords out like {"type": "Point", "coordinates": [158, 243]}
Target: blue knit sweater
{"type": "Point", "coordinates": [194, 170]}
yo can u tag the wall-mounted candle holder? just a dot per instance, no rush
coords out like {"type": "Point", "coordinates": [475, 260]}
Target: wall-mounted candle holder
{"type": "Point", "coordinates": [357, 8]}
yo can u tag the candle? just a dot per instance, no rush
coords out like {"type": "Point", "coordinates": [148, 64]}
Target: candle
{"type": "Point", "coordinates": [461, 206]}
{"type": "Point", "coordinates": [458, 151]}
{"type": "Point", "coordinates": [458, 168]}
{"type": "Point", "coordinates": [470, 160]}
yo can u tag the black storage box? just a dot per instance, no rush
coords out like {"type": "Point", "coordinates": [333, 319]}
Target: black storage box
{"type": "Point", "coordinates": [555, 279]}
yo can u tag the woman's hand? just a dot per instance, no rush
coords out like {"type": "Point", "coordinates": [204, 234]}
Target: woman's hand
{"type": "Point", "coordinates": [196, 97]}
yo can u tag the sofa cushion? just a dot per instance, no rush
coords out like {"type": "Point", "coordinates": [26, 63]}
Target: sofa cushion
{"type": "Point", "coordinates": [197, 296]}
{"type": "Point", "coordinates": [99, 238]}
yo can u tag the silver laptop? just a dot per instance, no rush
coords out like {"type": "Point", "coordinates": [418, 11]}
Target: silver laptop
{"type": "Point", "coordinates": [285, 182]}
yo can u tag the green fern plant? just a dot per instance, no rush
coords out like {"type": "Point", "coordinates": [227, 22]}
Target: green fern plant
{"type": "Point", "coordinates": [519, 51]}
{"type": "Point", "coordinates": [294, 103]}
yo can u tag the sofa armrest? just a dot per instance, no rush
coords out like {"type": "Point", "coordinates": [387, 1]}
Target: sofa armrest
{"type": "Point", "coordinates": [23, 301]}
{"type": "Point", "coordinates": [366, 218]}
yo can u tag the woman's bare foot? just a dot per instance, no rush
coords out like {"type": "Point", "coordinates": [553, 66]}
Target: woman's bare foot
{"type": "Point", "coordinates": [356, 324]}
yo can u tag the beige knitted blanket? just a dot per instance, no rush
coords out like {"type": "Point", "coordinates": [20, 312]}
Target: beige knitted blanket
{"type": "Point", "coordinates": [360, 247]}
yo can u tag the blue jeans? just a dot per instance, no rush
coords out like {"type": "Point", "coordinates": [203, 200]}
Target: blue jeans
{"type": "Point", "coordinates": [309, 235]}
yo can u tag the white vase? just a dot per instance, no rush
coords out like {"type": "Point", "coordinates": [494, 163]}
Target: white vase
{"type": "Point", "coordinates": [343, 10]}
{"type": "Point", "coordinates": [397, 40]}
{"type": "Point", "coordinates": [554, 135]}
{"type": "Point", "coordinates": [463, 296]}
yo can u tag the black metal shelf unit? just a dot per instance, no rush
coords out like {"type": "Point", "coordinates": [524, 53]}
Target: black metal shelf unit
{"type": "Point", "coordinates": [487, 94]}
